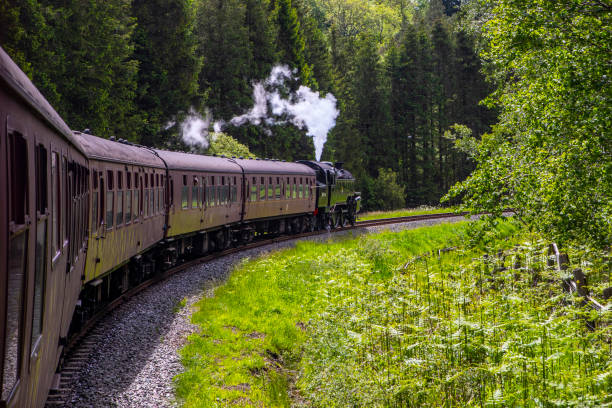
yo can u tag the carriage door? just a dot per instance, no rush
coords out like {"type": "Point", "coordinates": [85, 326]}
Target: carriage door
{"type": "Point", "coordinates": [98, 216]}
{"type": "Point", "coordinates": [13, 282]}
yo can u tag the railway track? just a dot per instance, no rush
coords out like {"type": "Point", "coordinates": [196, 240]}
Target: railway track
{"type": "Point", "coordinates": [81, 344]}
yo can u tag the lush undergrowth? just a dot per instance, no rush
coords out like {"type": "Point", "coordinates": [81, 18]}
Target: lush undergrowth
{"type": "Point", "coordinates": [384, 321]}
{"type": "Point", "coordinates": [375, 215]}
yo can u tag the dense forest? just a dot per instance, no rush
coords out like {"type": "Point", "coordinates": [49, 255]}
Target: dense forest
{"type": "Point", "coordinates": [426, 91]}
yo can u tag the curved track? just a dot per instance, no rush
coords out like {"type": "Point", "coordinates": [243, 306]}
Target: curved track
{"type": "Point", "coordinates": [80, 343]}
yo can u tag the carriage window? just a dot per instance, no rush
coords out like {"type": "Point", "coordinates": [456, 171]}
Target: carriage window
{"type": "Point", "coordinates": [128, 206]}
{"type": "Point", "coordinates": [109, 209]}
{"type": "Point", "coordinates": [294, 188]}
{"type": "Point", "coordinates": [145, 202]}
{"type": "Point", "coordinates": [94, 209]}
{"type": "Point", "coordinates": [41, 244]}
{"type": "Point", "coordinates": [301, 188]}
{"type": "Point", "coordinates": [66, 200]}
{"type": "Point", "coordinates": [202, 191]}
{"type": "Point", "coordinates": [194, 193]}
{"type": "Point", "coordinates": [222, 192]}
{"type": "Point", "coordinates": [254, 191]}
{"type": "Point", "coordinates": [110, 200]}
{"type": "Point", "coordinates": [152, 202]}
{"type": "Point", "coordinates": [41, 180]}
{"type": "Point", "coordinates": [288, 188]}
{"type": "Point", "coordinates": [270, 189]}
{"type": "Point", "coordinates": [234, 193]}
{"type": "Point", "coordinates": [119, 208]}
{"type": "Point", "coordinates": [160, 200]}
{"type": "Point", "coordinates": [119, 198]}
{"type": "Point", "coordinates": [262, 190]}
{"type": "Point", "coordinates": [141, 199]}
{"type": "Point", "coordinates": [171, 192]}
{"type": "Point", "coordinates": [102, 202]}
{"type": "Point", "coordinates": [94, 202]}
{"type": "Point", "coordinates": [136, 202]}
{"type": "Point", "coordinates": [185, 194]}
{"type": "Point", "coordinates": [56, 213]}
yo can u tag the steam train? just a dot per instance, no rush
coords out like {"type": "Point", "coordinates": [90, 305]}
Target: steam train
{"type": "Point", "coordinates": [83, 219]}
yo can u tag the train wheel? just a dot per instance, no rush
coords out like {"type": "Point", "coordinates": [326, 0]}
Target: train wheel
{"type": "Point", "coordinates": [344, 220]}
{"type": "Point", "coordinates": [337, 219]}
{"type": "Point", "coordinates": [311, 223]}
{"type": "Point", "coordinates": [329, 222]}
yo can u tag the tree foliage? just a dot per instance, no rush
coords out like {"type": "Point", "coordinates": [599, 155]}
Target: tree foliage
{"type": "Point", "coordinates": [223, 144]}
{"type": "Point", "coordinates": [401, 71]}
{"type": "Point", "coordinates": [169, 65]}
{"type": "Point", "coordinates": [549, 157]}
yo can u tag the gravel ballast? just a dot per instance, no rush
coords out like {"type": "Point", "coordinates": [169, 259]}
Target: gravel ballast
{"type": "Point", "coordinates": [136, 352]}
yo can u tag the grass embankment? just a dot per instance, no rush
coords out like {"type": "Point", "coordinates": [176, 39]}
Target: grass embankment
{"type": "Point", "coordinates": [406, 212]}
{"type": "Point", "coordinates": [367, 322]}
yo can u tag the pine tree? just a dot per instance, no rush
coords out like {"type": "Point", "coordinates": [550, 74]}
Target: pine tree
{"type": "Point", "coordinates": [371, 108]}
{"type": "Point", "coordinates": [443, 100]}
{"type": "Point", "coordinates": [405, 73]}
{"type": "Point", "coordinates": [316, 50]}
{"type": "Point", "coordinates": [25, 35]}
{"type": "Point", "coordinates": [261, 35]}
{"type": "Point", "coordinates": [290, 43]}
{"type": "Point", "coordinates": [97, 73]}
{"type": "Point", "coordinates": [169, 67]}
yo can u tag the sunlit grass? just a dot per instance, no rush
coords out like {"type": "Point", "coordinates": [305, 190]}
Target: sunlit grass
{"type": "Point", "coordinates": [253, 328]}
{"type": "Point", "coordinates": [375, 215]}
{"type": "Point", "coordinates": [390, 320]}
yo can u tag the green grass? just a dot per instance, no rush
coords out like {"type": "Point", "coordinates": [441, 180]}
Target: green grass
{"type": "Point", "coordinates": [374, 322]}
{"type": "Point", "coordinates": [376, 215]}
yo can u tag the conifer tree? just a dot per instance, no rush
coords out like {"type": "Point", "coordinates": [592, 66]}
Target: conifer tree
{"type": "Point", "coordinates": [96, 75]}
{"type": "Point", "coordinates": [262, 34]}
{"type": "Point", "coordinates": [224, 46]}
{"type": "Point", "coordinates": [169, 66]}
{"type": "Point", "coordinates": [371, 108]}
{"type": "Point", "coordinates": [316, 51]}
{"type": "Point", "coordinates": [290, 43]}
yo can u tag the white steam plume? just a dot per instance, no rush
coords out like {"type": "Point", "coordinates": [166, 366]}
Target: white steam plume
{"type": "Point", "coordinates": [194, 129]}
{"type": "Point", "coordinates": [305, 109]}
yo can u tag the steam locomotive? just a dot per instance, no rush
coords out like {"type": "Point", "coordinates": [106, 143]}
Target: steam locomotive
{"type": "Point", "coordinates": [84, 219]}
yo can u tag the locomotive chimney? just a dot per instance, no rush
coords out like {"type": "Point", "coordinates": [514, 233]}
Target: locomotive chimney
{"type": "Point", "coordinates": [338, 165]}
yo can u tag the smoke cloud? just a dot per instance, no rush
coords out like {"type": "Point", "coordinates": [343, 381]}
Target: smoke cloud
{"type": "Point", "coordinates": [305, 108]}
{"type": "Point", "coordinates": [194, 129]}
{"type": "Point", "coordinates": [274, 104]}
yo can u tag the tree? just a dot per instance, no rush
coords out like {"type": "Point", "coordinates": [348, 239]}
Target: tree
{"type": "Point", "coordinates": [223, 144]}
{"type": "Point", "coordinates": [262, 34]}
{"type": "Point", "coordinates": [165, 47]}
{"type": "Point", "coordinates": [290, 43]}
{"type": "Point", "coordinates": [224, 45]}
{"type": "Point", "coordinates": [96, 72]}
{"type": "Point", "coordinates": [316, 50]}
{"type": "Point", "coordinates": [25, 35]}
{"type": "Point", "coordinates": [549, 155]}
{"type": "Point", "coordinates": [385, 193]}
{"type": "Point", "coordinates": [371, 108]}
